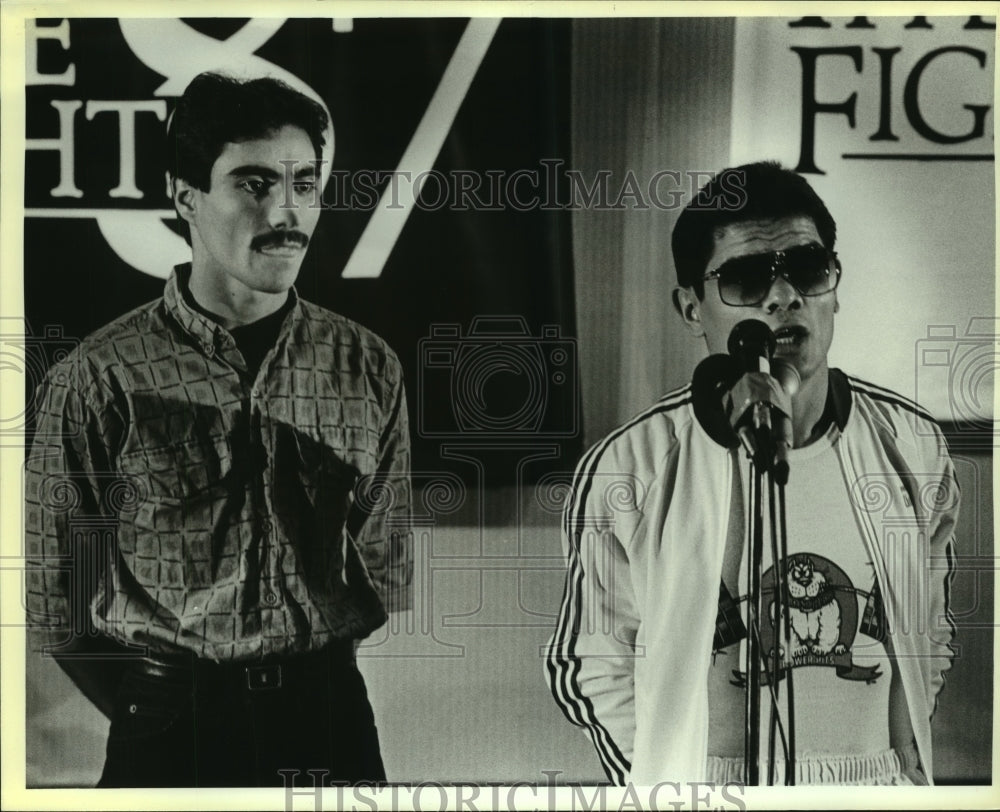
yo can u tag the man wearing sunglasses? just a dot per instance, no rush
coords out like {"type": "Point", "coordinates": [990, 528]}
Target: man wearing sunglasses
{"type": "Point", "coordinates": [648, 652]}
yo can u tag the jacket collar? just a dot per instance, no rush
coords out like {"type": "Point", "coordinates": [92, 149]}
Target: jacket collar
{"type": "Point", "coordinates": [838, 399]}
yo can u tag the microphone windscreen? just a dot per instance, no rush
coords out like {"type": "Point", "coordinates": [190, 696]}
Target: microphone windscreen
{"type": "Point", "coordinates": [712, 379]}
{"type": "Point", "coordinates": [719, 371]}
{"type": "Point", "coordinates": [750, 341]}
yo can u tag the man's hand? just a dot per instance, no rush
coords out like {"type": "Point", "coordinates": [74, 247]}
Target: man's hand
{"type": "Point", "coordinates": [759, 407]}
{"type": "Point", "coordinates": [754, 388]}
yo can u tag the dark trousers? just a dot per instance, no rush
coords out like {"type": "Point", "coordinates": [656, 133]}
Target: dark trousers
{"type": "Point", "coordinates": [198, 724]}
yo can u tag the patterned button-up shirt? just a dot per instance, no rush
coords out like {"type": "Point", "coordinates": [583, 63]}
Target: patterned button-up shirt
{"type": "Point", "coordinates": [174, 502]}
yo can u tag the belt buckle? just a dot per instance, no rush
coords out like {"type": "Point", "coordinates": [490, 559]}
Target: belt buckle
{"type": "Point", "coordinates": [263, 677]}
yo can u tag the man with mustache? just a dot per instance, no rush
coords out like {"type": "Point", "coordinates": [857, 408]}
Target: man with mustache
{"type": "Point", "coordinates": [647, 653]}
{"type": "Point", "coordinates": [249, 451]}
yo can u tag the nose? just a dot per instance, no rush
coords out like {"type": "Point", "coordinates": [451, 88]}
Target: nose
{"type": "Point", "coordinates": [283, 210]}
{"type": "Point", "coordinates": [782, 296]}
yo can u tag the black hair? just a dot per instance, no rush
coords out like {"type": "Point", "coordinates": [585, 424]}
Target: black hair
{"type": "Point", "coordinates": [758, 191]}
{"type": "Point", "coordinates": [216, 110]}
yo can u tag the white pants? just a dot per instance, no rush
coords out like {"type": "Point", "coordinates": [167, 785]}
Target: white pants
{"type": "Point", "coordinates": [885, 768]}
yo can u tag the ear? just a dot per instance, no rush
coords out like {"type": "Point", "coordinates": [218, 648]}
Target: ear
{"type": "Point", "coordinates": [688, 307]}
{"type": "Point", "coordinates": [836, 303]}
{"type": "Point", "coordinates": [185, 197]}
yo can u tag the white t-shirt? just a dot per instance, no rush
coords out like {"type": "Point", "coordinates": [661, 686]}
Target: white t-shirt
{"type": "Point", "coordinates": [841, 673]}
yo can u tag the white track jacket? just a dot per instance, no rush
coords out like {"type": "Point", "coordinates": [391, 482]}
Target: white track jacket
{"type": "Point", "coordinates": [645, 527]}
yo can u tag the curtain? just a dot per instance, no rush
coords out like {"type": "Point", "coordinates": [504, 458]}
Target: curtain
{"type": "Point", "coordinates": [648, 95]}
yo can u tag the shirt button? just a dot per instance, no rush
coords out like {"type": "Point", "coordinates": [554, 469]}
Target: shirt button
{"type": "Point", "coordinates": [133, 708]}
{"type": "Point", "coordinates": [266, 526]}
{"type": "Point", "coordinates": [209, 349]}
{"type": "Point", "coordinates": [270, 598]}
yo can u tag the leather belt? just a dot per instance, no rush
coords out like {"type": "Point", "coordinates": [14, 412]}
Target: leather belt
{"type": "Point", "coordinates": [268, 674]}
{"type": "Point", "coordinates": [263, 677]}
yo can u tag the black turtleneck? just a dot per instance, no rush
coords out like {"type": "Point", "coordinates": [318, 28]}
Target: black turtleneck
{"type": "Point", "coordinates": [254, 340]}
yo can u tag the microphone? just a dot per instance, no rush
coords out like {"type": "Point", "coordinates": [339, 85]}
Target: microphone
{"type": "Point", "coordinates": [752, 344]}
{"type": "Point", "coordinates": [790, 380]}
{"type": "Point", "coordinates": [787, 375]}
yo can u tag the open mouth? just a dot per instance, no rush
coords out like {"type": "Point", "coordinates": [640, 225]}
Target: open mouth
{"type": "Point", "coordinates": [789, 337]}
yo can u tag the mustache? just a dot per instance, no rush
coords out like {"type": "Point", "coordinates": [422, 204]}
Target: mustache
{"type": "Point", "coordinates": [279, 239]}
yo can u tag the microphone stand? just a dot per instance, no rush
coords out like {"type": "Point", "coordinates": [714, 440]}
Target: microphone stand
{"type": "Point", "coordinates": [786, 623]}
{"type": "Point", "coordinates": [751, 751]}
{"type": "Point", "coordinates": [752, 343]}
{"type": "Point", "coordinates": [762, 462]}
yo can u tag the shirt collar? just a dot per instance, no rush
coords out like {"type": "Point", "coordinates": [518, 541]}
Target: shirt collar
{"type": "Point", "coordinates": [210, 335]}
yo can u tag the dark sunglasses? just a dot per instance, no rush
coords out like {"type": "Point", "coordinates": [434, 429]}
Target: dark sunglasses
{"type": "Point", "coordinates": [745, 281]}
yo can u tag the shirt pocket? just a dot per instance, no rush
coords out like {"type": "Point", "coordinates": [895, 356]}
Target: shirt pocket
{"type": "Point", "coordinates": [179, 472]}
{"type": "Point", "coordinates": [181, 527]}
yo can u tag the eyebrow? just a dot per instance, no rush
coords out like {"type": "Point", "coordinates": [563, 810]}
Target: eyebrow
{"type": "Point", "coordinates": [270, 174]}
